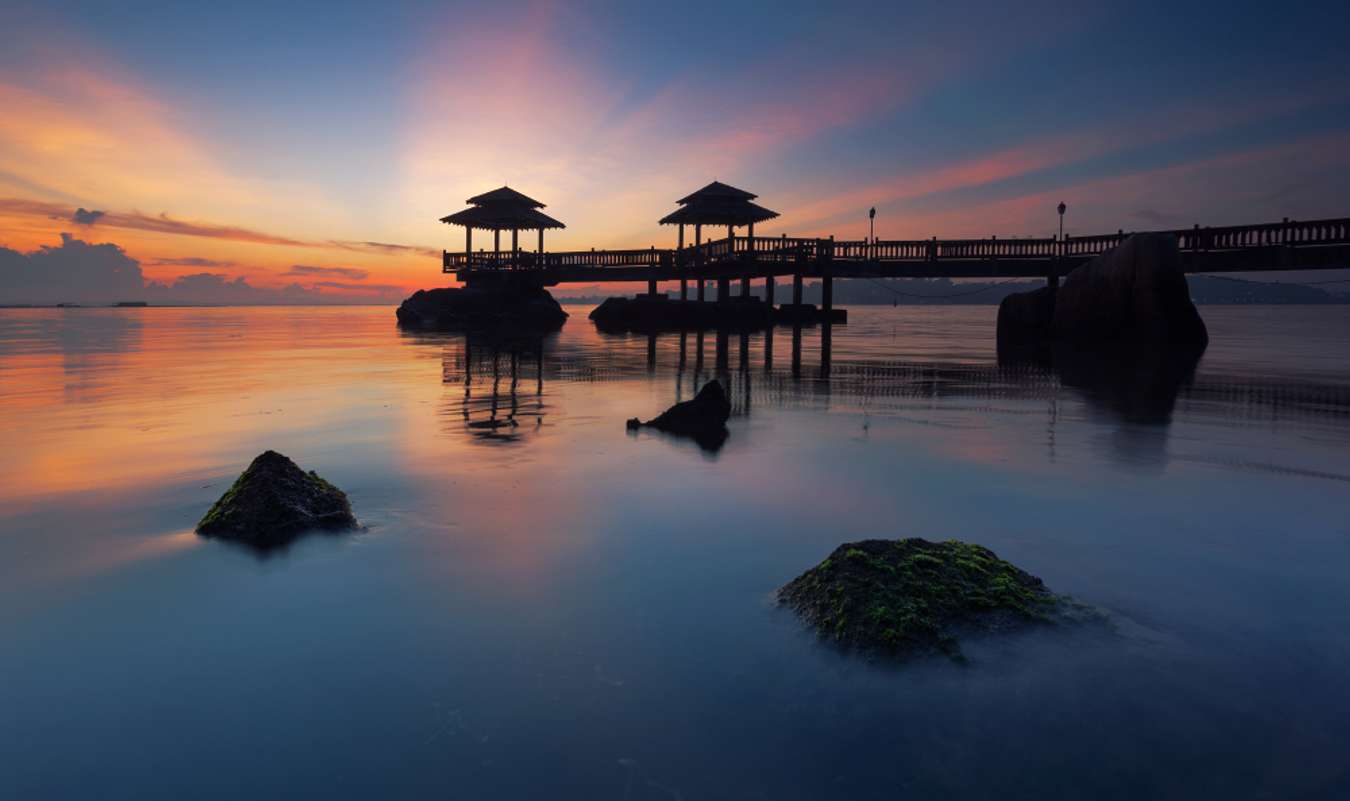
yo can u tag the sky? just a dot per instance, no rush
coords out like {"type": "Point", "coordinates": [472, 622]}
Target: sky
{"type": "Point", "coordinates": [297, 152]}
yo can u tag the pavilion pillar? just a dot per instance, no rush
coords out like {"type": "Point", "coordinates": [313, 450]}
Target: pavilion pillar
{"type": "Point", "coordinates": [541, 240]}
{"type": "Point", "coordinates": [468, 244]}
{"type": "Point", "coordinates": [496, 244]}
{"type": "Point", "coordinates": [679, 265]}
{"type": "Point", "coordinates": [698, 258]}
{"type": "Point", "coordinates": [515, 247]}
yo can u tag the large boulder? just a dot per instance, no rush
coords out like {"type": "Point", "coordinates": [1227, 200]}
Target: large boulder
{"type": "Point", "coordinates": [1133, 294]}
{"type": "Point", "coordinates": [508, 308]}
{"type": "Point", "coordinates": [911, 596]}
{"type": "Point", "coordinates": [273, 501]}
{"type": "Point", "coordinates": [703, 418]}
{"type": "Point", "coordinates": [1136, 292]}
{"type": "Point", "coordinates": [1026, 316]}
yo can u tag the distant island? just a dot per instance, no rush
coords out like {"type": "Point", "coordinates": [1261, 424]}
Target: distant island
{"type": "Point", "coordinates": [1205, 289]}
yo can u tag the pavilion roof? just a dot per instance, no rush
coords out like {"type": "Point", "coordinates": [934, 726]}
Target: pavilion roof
{"type": "Point", "coordinates": [503, 209]}
{"type": "Point", "coordinates": [717, 191]}
{"type": "Point", "coordinates": [504, 195]}
{"type": "Point", "coordinates": [718, 211]}
{"type": "Point", "coordinates": [502, 217]}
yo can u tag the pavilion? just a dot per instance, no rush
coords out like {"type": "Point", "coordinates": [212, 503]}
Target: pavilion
{"type": "Point", "coordinates": [502, 209]}
{"type": "Point", "coordinates": [717, 204]}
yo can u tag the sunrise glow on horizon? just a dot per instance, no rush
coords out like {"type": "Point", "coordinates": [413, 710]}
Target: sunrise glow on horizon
{"type": "Point", "coordinates": [247, 149]}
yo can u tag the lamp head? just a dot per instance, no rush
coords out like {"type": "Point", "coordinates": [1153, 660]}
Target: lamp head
{"type": "Point", "coordinates": [1062, 209]}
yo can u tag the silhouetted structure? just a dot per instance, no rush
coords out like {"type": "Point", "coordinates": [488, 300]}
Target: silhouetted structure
{"type": "Point", "coordinates": [502, 209]}
{"type": "Point", "coordinates": [715, 204]}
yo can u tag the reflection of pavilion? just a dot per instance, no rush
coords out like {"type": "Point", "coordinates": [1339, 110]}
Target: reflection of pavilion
{"type": "Point", "coordinates": [501, 399]}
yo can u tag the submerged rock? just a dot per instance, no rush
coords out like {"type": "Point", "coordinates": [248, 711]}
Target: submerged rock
{"type": "Point", "coordinates": [1134, 293]}
{"type": "Point", "coordinates": [704, 417]}
{"type": "Point", "coordinates": [273, 501]}
{"type": "Point", "coordinates": [655, 313]}
{"type": "Point", "coordinates": [505, 307]}
{"type": "Point", "coordinates": [906, 597]}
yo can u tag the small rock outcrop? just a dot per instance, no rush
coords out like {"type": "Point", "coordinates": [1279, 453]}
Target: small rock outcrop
{"type": "Point", "coordinates": [273, 501]}
{"type": "Point", "coordinates": [907, 597]}
{"type": "Point", "coordinates": [1134, 293]}
{"type": "Point", "coordinates": [512, 308]}
{"type": "Point", "coordinates": [703, 418]}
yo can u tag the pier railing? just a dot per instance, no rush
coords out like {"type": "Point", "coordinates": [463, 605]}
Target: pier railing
{"type": "Point", "coordinates": [1287, 233]}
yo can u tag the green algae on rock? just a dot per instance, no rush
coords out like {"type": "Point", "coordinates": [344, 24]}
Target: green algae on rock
{"type": "Point", "coordinates": [273, 501]}
{"type": "Point", "coordinates": [910, 596]}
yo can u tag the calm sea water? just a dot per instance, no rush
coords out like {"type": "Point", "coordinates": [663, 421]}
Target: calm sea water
{"type": "Point", "coordinates": [545, 606]}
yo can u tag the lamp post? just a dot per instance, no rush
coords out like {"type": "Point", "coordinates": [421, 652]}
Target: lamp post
{"type": "Point", "coordinates": [871, 232]}
{"type": "Point", "coordinates": [1054, 275]}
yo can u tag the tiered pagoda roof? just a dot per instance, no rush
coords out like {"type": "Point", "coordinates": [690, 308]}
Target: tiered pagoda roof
{"type": "Point", "coordinates": [718, 204]}
{"type": "Point", "coordinates": [503, 209]}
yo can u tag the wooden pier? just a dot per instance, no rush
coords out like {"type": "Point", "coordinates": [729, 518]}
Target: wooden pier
{"type": "Point", "coordinates": [1284, 245]}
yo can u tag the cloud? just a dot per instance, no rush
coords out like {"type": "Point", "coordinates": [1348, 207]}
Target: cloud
{"type": "Point", "coordinates": [84, 217]}
{"type": "Point", "coordinates": [340, 272]}
{"type": "Point", "coordinates": [74, 272]}
{"type": "Point", "coordinates": [188, 261]}
{"type": "Point", "coordinates": [164, 224]}
{"type": "Point", "coordinates": [384, 247]}
{"type": "Point", "coordinates": [80, 272]}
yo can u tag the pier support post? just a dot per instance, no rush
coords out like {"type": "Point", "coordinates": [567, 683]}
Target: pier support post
{"type": "Point", "coordinates": [745, 287]}
{"type": "Point", "coordinates": [826, 277]}
{"type": "Point", "coordinates": [723, 290]}
{"type": "Point", "coordinates": [797, 288]}
{"type": "Point", "coordinates": [768, 289]}
{"type": "Point", "coordinates": [651, 279]}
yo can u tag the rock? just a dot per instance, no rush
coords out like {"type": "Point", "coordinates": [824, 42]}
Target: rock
{"type": "Point", "coordinates": [1133, 294]}
{"type": "Point", "coordinates": [708, 411]}
{"type": "Point", "coordinates": [911, 596]}
{"type": "Point", "coordinates": [504, 307]}
{"type": "Point", "coordinates": [1026, 316]}
{"type": "Point", "coordinates": [1136, 292]}
{"type": "Point", "coordinates": [704, 418]}
{"type": "Point", "coordinates": [273, 501]}
{"type": "Point", "coordinates": [652, 314]}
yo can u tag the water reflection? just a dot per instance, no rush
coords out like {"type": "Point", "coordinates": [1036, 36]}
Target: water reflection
{"type": "Point", "coordinates": [502, 393]}
{"type": "Point", "coordinates": [503, 386]}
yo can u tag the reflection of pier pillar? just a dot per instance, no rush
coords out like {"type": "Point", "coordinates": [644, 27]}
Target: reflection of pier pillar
{"type": "Point", "coordinates": [745, 351]}
{"type": "Point", "coordinates": [826, 336]}
{"type": "Point", "coordinates": [698, 353]}
{"type": "Point", "coordinates": [651, 352]}
{"type": "Point", "coordinates": [684, 344]}
{"type": "Point", "coordinates": [723, 347]}
{"type": "Point", "coordinates": [768, 348]}
{"type": "Point", "coordinates": [796, 350]}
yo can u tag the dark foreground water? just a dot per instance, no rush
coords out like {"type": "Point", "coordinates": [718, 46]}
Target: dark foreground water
{"type": "Point", "coordinates": [558, 609]}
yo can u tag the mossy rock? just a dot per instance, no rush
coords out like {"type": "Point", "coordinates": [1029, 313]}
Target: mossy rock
{"type": "Point", "coordinates": [911, 596]}
{"type": "Point", "coordinates": [274, 501]}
